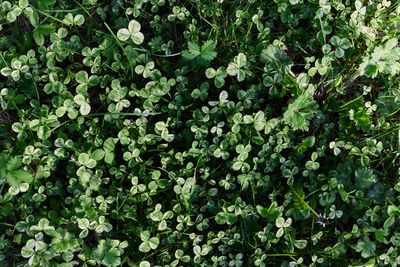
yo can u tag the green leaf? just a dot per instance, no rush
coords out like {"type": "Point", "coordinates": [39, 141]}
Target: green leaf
{"type": "Point", "coordinates": [85, 108]}
{"type": "Point", "coordinates": [48, 2]}
{"type": "Point", "coordinates": [389, 222]}
{"type": "Point", "coordinates": [6, 71]}
{"type": "Point", "coordinates": [38, 37]}
{"type": "Point", "coordinates": [112, 257]}
{"type": "Point", "coordinates": [208, 50]}
{"type": "Point", "coordinates": [11, 17]}
{"type": "Point", "coordinates": [241, 60]}
{"type": "Point", "coordinates": [98, 154]}
{"type": "Point", "coordinates": [134, 26]}
{"type": "Point", "coordinates": [79, 20]}
{"type": "Point", "coordinates": [200, 56]}
{"type": "Point", "coordinates": [300, 243]}
{"type": "Point", "coordinates": [153, 242]}
{"type": "Point", "coordinates": [384, 59]}
{"type": "Point", "coordinates": [23, 3]}
{"type": "Point", "coordinates": [271, 213]}
{"type": "Point", "coordinates": [137, 37]}
{"type": "Point", "coordinates": [91, 163]}
{"type": "Point", "coordinates": [275, 54]}
{"type": "Point", "coordinates": [123, 34]}
{"type": "Point", "coordinates": [9, 169]}
{"type": "Point", "coordinates": [237, 165]}
{"type": "Point", "coordinates": [192, 52]}
{"type": "Point", "coordinates": [16, 177]}
{"type": "Point", "coordinates": [365, 178]}
{"type": "Point", "coordinates": [11, 163]}
{"type": "Point", "coordinates": [144, 264]}
{"type": "Point", "coordinates": [44, 132]}
{"type": "Point", "coordinates": [82, 77]}
{"type": "Point", "coordinates": [371, 69]}
{"type": "Point", "coordinates": [301, 111]}
{"type": "Point", "coordinates": [69, 19]}
{"type": "Point", "coordinates": [45, 29]}
{"type": "Point", "coordinates": [15, 75]}
{"type": "Point", "coordinates": [84, 233]}
{"type": "Point", "coordinates": [366, 247]}
{"type": "Point", "coordinates": [63, 241]}
{"type": "Point", "coordinates": [27, 252]}
{"type": "Point", "coordinates": [83, 223]}
{"type": "Point", "coordinates": [210, 73]}
{"type": "Point", "coordinates": [219, 82]}
{"type": "Point", "coordinates": [83, 158]}
{"type": "Point", "coordinates": [33, 17]}
{"type": "Point", "coordinates": [380, 235]}
{"type": "Point", "coordinates": [144, 247]}
{"type": "Point", "coordinates": [107, 253]}
{"type": "Point", "coordinates": [79, 99]}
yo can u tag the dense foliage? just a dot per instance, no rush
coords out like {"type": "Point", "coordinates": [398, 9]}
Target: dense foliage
{"type": "Point", "coordinates": [199, 133]}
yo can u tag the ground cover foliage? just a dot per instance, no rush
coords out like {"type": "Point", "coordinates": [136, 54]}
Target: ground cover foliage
{"type": "Point", "coordinates": [199, 133]}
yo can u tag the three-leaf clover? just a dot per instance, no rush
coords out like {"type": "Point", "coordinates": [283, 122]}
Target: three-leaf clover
{"type": "Point", "coordinates": [85, 160]}
{"type": "Point", "coordinates": [199, 252]}
{"type": "Point", "coordinates": [147, 70]}
{"type": "Point", "coordinates": [148, 243]}
{"type": "Point", "coordinates": [74, 20]}
{"type": "Point", "coordinates": [43, 225]}
{"type": "Point", "coordinates": [84, 81]}
{"type": "Point", "coordinates": [235, 68]}
{"type": "Point", "coordinates": [62, 145]}
{"type": "Point", "coordinates": [133, 33]}
{"type": "Point", "coordinates": [84, 225]}
{"type": "Point", "coordinates": [219, 76]}
{"type": "Point", "coordinates": [366, 247]}
{"type": "Point", "coordinates": [334, 212]}
{"type": "Point", "coordinates": [35, 249]}
{"type": "Point", "coordinates": [102, 225]}
{"type": "Point", "coordinates": [158, 216]}
{"type": "Point", "coordinates": [84, 105]}
{"type": "Point", "coordinates": [180, 256]}
{"type": "Point", "coordinates": [16, 69]}
{"type": "Point", "coordinates": [281, 223]}
{"type": "Point", "coordinates": [341, 44]}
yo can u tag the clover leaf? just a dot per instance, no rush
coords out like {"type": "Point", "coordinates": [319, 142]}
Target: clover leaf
{"type": "Point", "coordinates": [133, 33]}
{"type": "Point", "coordinates": [366, 247]}
{"type": "Point", "coordinates": [341, 45]}
{"type": "Point", "coordinates": [236, 68]}
{"type": "Point", "coordinates": [219, 76]}
{"type": "Point", "coordinates": [148, 243]}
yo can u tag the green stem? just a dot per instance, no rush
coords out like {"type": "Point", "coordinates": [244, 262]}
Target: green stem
{"type": "Point", "coordinates": [120, 45]}
{"type": "Point", "coordinates": [302, 201]}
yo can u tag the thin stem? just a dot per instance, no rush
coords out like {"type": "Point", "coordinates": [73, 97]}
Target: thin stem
{"type": "Point", "coordinates": [302, 201]}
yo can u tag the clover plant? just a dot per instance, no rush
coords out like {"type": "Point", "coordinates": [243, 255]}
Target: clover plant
{"type": "Point", "coordinates": [199, 133]}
